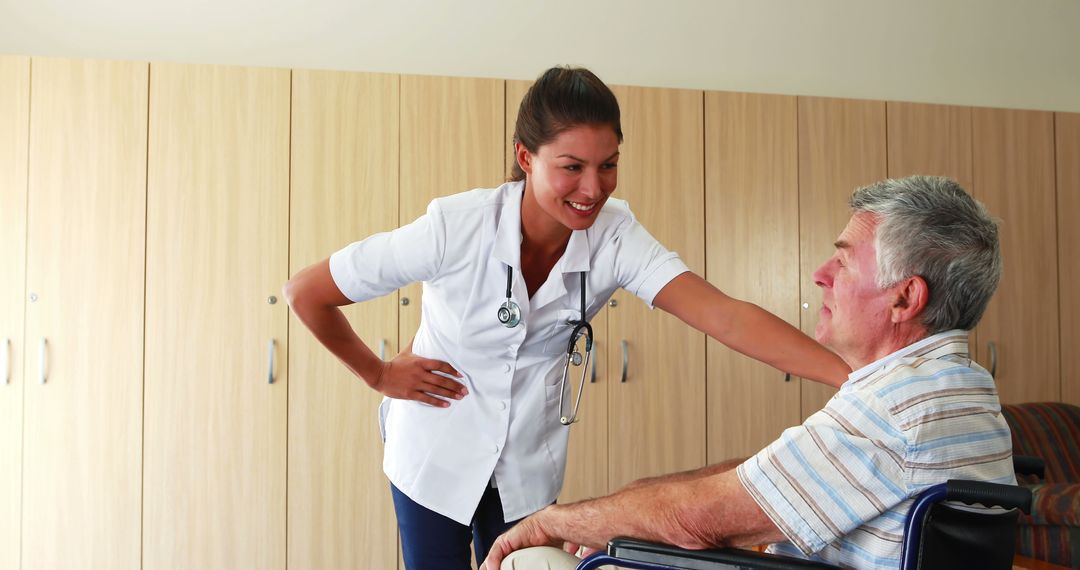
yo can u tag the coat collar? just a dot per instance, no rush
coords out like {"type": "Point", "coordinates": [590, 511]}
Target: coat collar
{"type": "Point", "coordinates": [507, 249]}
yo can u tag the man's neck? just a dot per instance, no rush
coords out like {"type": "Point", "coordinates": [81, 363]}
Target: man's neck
{"type": "Point", "coordinates": [895, 339]}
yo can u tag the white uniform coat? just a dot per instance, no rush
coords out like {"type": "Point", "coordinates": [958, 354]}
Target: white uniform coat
{"type": "Point", "coordinates": [507, 426]}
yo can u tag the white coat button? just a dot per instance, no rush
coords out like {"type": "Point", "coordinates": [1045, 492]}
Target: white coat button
{"type": "Point", "coordinates": [494, 449]}
{"type": "Point", "coordinates": [502, 405]}
{"type": "Point", "coordinates": [507, 367]}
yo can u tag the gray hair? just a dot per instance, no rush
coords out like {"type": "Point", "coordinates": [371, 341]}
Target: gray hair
{"type": "Point", "coordinates": [930, 227]}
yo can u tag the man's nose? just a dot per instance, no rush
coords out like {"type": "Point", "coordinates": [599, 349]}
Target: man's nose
{"type": "Point", "coordinates": [822, 276]}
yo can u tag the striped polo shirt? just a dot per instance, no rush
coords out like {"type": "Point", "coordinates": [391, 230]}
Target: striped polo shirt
{"type": "Point", "coordinates": [840, 485]}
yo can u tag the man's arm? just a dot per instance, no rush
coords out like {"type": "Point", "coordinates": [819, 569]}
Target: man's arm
{"type": "Point", "coordinates": [694, 513]}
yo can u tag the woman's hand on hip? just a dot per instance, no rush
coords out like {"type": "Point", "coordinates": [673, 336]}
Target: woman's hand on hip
{"type": "Point", "coordinates": [411, 377]}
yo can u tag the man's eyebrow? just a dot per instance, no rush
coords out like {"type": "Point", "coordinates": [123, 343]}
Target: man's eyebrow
{"type": "Point", "coordinates": [841, 244]}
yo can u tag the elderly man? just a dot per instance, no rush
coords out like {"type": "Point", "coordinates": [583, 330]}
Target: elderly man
{"type": "Point", "coordinates": [911, 274]}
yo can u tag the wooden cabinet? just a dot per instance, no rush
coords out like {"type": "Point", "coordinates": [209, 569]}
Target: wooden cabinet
{"type": "Point", "coordinates": [752, 252]}
{"type": "Point", "coordinates": [656, 417]}
{"type": "Point", "coordinates": [1067, 132]}
{"type": "Point", "coordinates": [82, 460]}
{"type": "Point", "coordinates": [451, 141]}
{"type": "Point", "coordinates": [344, 188]}
{"type": "Point", "coordinates": [216, 369]}
{"type": "Point", "coordinates": [14, 140]}
{"type": "Point", "coordinates": [841, 148]}
{"type": "Point", "coordinates": [1014, 177]}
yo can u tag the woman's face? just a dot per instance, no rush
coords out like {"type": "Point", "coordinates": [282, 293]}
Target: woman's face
{"type": "Point", "coordinates": [573, 175]}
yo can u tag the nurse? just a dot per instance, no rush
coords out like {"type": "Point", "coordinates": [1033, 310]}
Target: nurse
{"type": "Point", "coordinates": [471, 417]}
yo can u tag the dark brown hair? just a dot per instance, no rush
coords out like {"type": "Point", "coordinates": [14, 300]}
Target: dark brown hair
{"type": "Point", "coordinates": [563, 98]}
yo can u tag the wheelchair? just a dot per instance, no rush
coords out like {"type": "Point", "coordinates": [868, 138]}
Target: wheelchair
{"type": "Point", "coordinates": [937, 536]}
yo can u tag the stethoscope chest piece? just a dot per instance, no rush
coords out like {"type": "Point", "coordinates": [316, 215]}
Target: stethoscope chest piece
{"type": "Point", "coordinates": [509, 314]}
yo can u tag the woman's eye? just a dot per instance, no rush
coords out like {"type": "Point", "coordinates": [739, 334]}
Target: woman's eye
{"type": "Point", "coordinates": [573, 167]}
{"type": "Point", "coordinates": [610, 166]}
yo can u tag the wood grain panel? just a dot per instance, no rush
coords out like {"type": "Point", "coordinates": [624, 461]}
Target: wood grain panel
{"type": "Point", "coordinates": [14, 143]}
{"type": "Point", "coordinates": [344, 188]}
{"type": "Point", "coordinates": [85, 265]}
{"type": "Point", "coordinates": [452, 133]}
{"type": "Point", "coordinates": [841, 148]}
{"type": "Point", "coordinates": [1014, 177]}
{"type": "Point", "coordinates": [217, 245]}
{"type": "Point", "coordinates": [752, 253]}
{"type": "Point", "coordinates": [1068, 210]}
{"type": "Point", "coordinates": [657, 419]}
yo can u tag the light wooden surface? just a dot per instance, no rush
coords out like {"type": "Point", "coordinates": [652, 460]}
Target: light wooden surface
{"type": "Point", "coordinates": [933, 140]}
{"type": "Point", "coordinates": [657, 417]}
{"type": "Point", "coordinates": [841, 148]}
{"type": "Point", "coordinates": [451, 141]}
{"type": "Point", "coordinates": [587, 453]}
{"type": "Point", "coordinates": [85, 262]}
{"type": "Point", "coordinates": [930, 139]}
{"type": "Point", "coordinates": [217, 250]}
{"type": "Point", "coordinates": [1014, 177]}
{"type": "Point", "coordinates": [1067, 129]}
{"type": "Point", "coordinates": [14, 142]}
{"type": "Point", "coordinates": [752, 252]}
{"type": "Point", "coordinates": [344, 188]}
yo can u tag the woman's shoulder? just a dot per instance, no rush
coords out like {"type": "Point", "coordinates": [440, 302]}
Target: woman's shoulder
{"type": "Point", "coordinates": [477, 199]}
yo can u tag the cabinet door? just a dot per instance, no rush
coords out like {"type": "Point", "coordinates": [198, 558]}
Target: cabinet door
{"type": "Point", "coordinates": [657, 416]}
{"type": "Point", "coordinates": [217, 256]}
{"type": "Point", "coordinates": [1068, 210]}
{"type": "Point", "coordinates": [933, 140]}
{"type": "Point", "coordinates": [344, 188]}
{"type": "Point", "coordinates": [14, 140]}
{"type": "Point", "coordinates": [82, 447]}
{"type": "Point", "coordinates": [587, 453]}
{"type": "Point", "coordinates": [841, 148]}
{"type": "Point", "coordinates": [451, 141]}
{"type": "Point", "coordinates": [1014, 177]}
{"type": "Point", "coordinates": [752, 232]}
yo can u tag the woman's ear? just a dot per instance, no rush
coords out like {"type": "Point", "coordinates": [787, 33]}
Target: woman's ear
{"type": "Point", "coordinates": [523, 157]}
{"type": "Point", "coordinates": [912, 295]}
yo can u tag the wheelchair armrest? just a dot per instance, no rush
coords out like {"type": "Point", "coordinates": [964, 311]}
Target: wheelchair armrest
{"type": "Point", "coordinates": [675, 557]}
{"type": "Point", "coordinates": [988, 494]}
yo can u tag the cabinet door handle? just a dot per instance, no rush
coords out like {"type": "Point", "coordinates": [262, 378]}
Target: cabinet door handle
{"type": "Point", "coordinates": [270, 362]}
{"type": "Point", "coordinates": [382, 349]}
{"type": "Point", "coordinates": [42, 348]}
{"type": "Point", "coordinates": [7, 361]}
{"type": "Point", "coordinates": [992, 347]}
{"type": "Point", "coordinates": [625, 360]}
{"type": "Point", "coordinates": [787, 377]}
{"type": "Point", "coordinates": [592, 378]}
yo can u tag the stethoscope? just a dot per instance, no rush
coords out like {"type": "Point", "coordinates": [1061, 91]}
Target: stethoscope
{"type": "Point", "coordinates": [510, 317]}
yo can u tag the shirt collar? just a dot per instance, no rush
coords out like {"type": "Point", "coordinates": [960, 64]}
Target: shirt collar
{"type": "Point", "coordinates": [949, 342]}
{"type": "Point", "coordinates": [507, 247]}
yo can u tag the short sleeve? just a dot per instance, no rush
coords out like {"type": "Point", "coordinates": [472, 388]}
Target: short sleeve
{"type": "Point", "coordinates": [385, 262]}
{"type": "Point", "coordinates": [823, 479]}
{"type": "Point", "coordinates": [642, 265]}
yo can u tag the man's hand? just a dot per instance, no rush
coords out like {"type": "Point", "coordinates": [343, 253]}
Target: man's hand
{"type": "Point", "coordinates": [532, 531]}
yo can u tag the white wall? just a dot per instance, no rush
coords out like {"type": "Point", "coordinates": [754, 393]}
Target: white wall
{"type": "Point", "coordinates": [1004, 53]}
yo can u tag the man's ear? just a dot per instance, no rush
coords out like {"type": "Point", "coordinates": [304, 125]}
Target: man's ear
{"type": "Point", "coordinates": [912, 295]}
{"type": "Point", "coordinates": [523, 158]}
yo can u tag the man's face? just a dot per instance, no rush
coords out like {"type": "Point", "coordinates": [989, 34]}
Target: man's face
{"type": "Point", "coordinates": [855, 313]}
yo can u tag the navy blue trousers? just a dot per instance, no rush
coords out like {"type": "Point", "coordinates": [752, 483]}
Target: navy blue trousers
{"type": "Point", "coordinates": [430, 541]}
